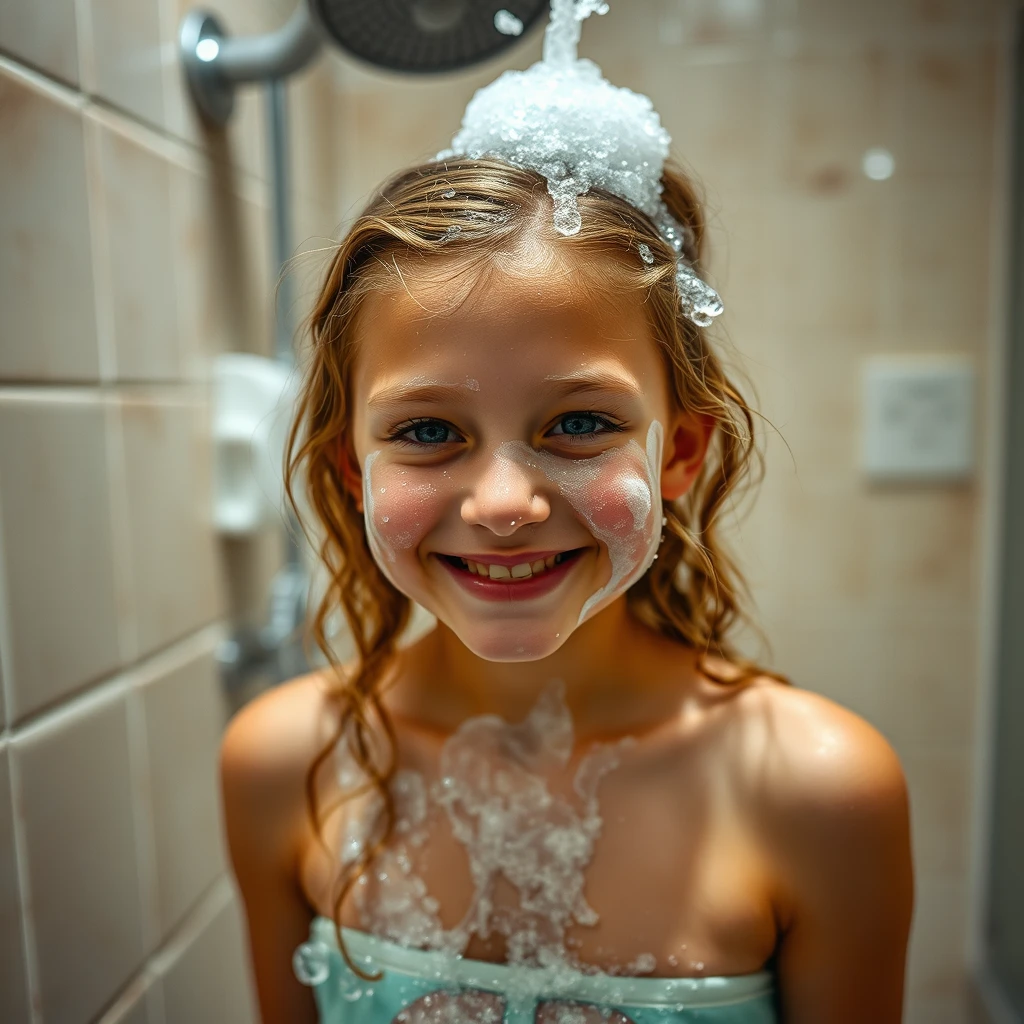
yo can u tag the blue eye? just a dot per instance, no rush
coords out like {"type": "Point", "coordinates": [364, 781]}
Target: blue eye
{"type": "Point", "coordinates": [582, 425]}
{"type": "Point", "coordinates": [578, 423]}
{"type": "Point", "coordinates": [425, 432]}
{"type": "Point", "coordinates": [430, 433]}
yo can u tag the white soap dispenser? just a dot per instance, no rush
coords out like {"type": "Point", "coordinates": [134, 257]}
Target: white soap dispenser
{"type": "Point", "coordinates": [253, 403]}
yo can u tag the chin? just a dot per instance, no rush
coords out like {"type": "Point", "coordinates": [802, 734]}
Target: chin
{"type": "Point", "coordinates": [509, 644]}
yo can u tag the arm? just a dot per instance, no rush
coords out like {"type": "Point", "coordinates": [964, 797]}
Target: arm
{"type": "Point", "coordinates": [843, 842]}
{"type": "Point", "coordinates": [261, 785]}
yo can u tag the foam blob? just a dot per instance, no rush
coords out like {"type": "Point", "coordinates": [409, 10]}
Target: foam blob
{"type": "Point", "coordinates": [493, 788]}
{"type": "Point", "coordinates": [563, 119]}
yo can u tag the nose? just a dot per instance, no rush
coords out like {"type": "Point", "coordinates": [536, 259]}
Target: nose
{"type": "Point", "coordinates": [505, 497]}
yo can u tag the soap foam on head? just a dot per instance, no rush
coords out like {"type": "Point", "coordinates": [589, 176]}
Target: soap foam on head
{"type": "Point", "coordinates": [563, 119]}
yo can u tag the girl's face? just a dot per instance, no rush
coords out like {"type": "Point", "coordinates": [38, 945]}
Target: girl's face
{"type": "Point", "coordinates": [511, 449]}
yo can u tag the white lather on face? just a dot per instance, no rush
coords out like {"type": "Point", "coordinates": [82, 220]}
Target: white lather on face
{"type": "Point", "coordinates": [601, 490]}
{"type": "Point", "coordinates": [614, 494]}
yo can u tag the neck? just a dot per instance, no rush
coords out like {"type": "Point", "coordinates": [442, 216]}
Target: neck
{"type": "Point", "coordinates": [438, 682]}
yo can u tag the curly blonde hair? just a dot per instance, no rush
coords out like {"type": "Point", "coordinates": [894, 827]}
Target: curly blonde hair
{"type": "Point", "coordinates": [467, 212]}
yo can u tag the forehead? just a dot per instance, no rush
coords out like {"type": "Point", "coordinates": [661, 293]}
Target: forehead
{"type": "Point", "coordinates": [502, 329]}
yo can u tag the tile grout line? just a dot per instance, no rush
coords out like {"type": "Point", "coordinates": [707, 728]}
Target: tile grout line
{"type": "Point", "coordinates": [119, 504]}
{"type": "Point", "coordinates": [164, 660]}
{"type": "Point", "coordinates": [28, 932]}
{"type": "Point", "coordinates": [143, 819]}
{"type": "Point", "coordinates": [28, 939]}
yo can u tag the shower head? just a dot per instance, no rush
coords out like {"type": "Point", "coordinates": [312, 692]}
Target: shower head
{"type": "Point", "coordinates": [425, 36]}
{"type": "Point", "coordinates": [415, 36]}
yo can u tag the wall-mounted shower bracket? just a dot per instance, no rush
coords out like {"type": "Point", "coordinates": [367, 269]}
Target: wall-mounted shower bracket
{"type": "Point", "coordinates": [215, 63]}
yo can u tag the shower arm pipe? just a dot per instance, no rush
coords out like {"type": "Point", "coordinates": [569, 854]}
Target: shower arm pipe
{"type": "Point", "coordinates": [215, 62]}
{"type": "Point", "coordinates": [274, 55]}
{"type": "Point", "coordinates": [213, 71]}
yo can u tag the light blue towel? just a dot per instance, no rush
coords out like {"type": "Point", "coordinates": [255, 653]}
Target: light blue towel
{"type": "Point", "coordinates": [516, 992]}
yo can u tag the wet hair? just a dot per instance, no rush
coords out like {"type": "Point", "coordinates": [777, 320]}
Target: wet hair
{"type": "Point", "coordinates": [462, 216]}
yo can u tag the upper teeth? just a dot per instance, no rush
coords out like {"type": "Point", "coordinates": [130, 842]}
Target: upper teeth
{"type": "Point", "coordinates": [522, 571]}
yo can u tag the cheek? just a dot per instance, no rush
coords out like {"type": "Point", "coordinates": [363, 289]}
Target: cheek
{"type": "Point", "coordinates": [402, 508]}
{"type": "Point", "coordinates": [617, 503]}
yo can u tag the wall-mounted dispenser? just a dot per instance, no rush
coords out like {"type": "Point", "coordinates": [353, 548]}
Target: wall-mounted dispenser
{"type": "Point", "coordinates": [253, 401]}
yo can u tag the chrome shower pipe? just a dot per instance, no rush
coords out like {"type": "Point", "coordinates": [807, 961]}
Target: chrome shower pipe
{"type": "Point", "coordinates": [215, 64]}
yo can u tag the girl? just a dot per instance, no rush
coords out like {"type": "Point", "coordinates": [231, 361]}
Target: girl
{"type": "Point", "coordinates": [571, 798]}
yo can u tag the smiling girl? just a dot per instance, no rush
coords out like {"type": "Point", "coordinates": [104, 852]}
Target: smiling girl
{"type": "Point", "coordinates": [571, 799]}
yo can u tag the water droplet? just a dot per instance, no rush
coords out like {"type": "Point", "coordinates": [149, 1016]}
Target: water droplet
{"type": "Point", "coordinates": [386, 519]}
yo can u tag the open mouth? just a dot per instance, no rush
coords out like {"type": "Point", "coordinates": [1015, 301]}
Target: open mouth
{"type": "Point", "coordinates": [519, 573]}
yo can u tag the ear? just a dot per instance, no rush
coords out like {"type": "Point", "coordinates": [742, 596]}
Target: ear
{"type": "Point", "coordinates": [686, 445]}
{"type": "Point", "coordinates": [348, 467]}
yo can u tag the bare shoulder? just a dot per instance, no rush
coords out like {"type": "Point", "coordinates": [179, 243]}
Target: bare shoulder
{"type": "Point", "coordinates": [267, 750]}
{"type": "Point", "coordinates": [811, 754]}
{"type": "Point", "coordinates": [828, 797]}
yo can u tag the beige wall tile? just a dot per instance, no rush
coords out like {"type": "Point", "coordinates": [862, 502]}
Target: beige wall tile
{"type": "Point", "coordinates": [942, 243]}
{"type": "Point", "coordinates": [827, 648]}
{"type": "Point", "coordinates": [955, 21]}
{"type": "Point", "coordinates": [391, 125]}
{"type": "Point", "coordinates": [72, 782]}
{"type": "Point", "coordinates": [46, 274]}
{"type": "Point", "coordinates": [825, 562]}
{"type": "Point", "coordinates": [42, 35]}
{"type": "Point", "coordinates": [819, 403]}
{"type": "Point", "coordinates": [941, 1011]}
{"type": "Point", "coordinates": [924, 691]}
{"type": "Point", "coordinates": [184, 715]}
{"type": "Point", "coordinates": [134, 186]}
{"type": "Point", "coordinates": [125, 41]}
{"type": "Point", "coordinates": [841, 23]}
{"type": "Point", "coordinates": [829, 269]}
{"type": "Point", "coordinates": [136, 1005]}
{"type": "Point", "coordinates": [940, 788]}
{"type": "Point", "coordinates": [949, 111]}
{"type": "Point", "coordinates": [14, 987]}
{"type": "Point", "coordinates": [223, 262]}
{"type": "Point", "coordinates": [170, 539]}
{"type": "Point", "coordinates": [715, 114]}
{"type": "Point", "coordinates": [924, 548]}
{"type": "Point", "coordinates": [62, 599]}
{"type": "Point", "coordinates": [315, 129]}
{"type": "Point", "coordinates": [205, 976]}
{"type": "Point", "coordinates": [316, 240]}
{"type": "Point", "coordinates": [826, 109]}
{"type": "Point", "coordinates": [936, 968]}
{"type": "Point", "coordinates": [736, 244]}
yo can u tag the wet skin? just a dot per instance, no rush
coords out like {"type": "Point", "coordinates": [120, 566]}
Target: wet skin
{"type": "Point", "coordinates": [523, 425]}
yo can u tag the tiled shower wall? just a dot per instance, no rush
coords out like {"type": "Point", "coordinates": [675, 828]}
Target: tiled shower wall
{"type": "Point", "coordinates": [134, 246]}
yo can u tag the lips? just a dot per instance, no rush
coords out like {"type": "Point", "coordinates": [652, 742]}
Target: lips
{"type": "Point", "coordinates": [525, 569]}
{"type": "Point", "coordinates": [509, 578]}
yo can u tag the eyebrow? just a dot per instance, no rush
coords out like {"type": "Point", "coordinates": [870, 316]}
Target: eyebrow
{"type": "Point", "coordinates": [421, 390]}
{"type": "Point", "coordinates": [592, 381]}
{"type": "Point", "coordinates": [418, 390]}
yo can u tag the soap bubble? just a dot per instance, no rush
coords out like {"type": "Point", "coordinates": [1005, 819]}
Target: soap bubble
{"type": "Point", "coordinates": [311, 962]}
{"type": "Point", "coordinates": [507, 23]}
